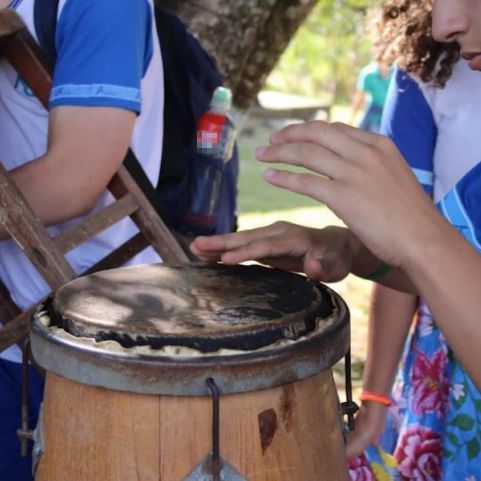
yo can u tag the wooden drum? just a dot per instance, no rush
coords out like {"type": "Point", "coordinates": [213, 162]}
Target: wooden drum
{"type": "Point", "coordinates": [191, 373]}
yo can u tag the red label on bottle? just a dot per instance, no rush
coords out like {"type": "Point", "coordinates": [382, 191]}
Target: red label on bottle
{"type": "Point", "coordinates": [215, 136]}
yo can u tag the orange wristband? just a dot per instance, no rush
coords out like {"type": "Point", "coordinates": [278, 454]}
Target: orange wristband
{"type": "Point", "coordinates": [375, 397]}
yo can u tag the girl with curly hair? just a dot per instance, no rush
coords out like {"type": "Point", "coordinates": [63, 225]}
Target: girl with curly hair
{"type": "Point", "coordinates": [433, 427]}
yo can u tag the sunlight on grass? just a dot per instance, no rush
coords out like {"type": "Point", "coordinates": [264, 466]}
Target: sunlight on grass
{"type": "Point", "coordinates": [255, 194]}
{"type": "Point", "coordinates": [319, 216]}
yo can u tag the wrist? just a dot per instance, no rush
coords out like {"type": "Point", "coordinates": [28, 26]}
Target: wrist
{"type": "Point", "coordinates": [423, 239]}
{"type": "Point", "coordinates": [429, 249]}
{"type": "Point", "coordinates": [375, 398]}
{"type": "Point", "coordinates": [363, 261]}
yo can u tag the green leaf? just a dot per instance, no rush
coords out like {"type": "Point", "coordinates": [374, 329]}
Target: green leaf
{"type": "Point", "coordinates": [464, 422]}
{"type": "Point", "coordinates": [453, 439]}
{"type": "Point", "coordinates": [477, 403]}
{"type": "Point", "coordinates": [473, 448]}
{"type": "Point", "coordinates": [447, 453]}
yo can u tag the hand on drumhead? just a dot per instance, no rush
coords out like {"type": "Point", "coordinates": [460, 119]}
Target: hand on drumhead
{"type": "Point", "coordinates": [370, 422]}
{"type": "Point", "coordinates": [363, 179]}
{"type": "Point", "coordinates": [323, 254]}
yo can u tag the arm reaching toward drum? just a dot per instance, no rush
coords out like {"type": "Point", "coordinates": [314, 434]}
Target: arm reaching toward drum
{"type": "Point", "coordinates": [323, 254]}
{"type": "Point", "coordinates": [326, 255]}
{"type": "Point", "coordinates": [366, 182]}
{"type": "Point", "coordinates": [363, 179]}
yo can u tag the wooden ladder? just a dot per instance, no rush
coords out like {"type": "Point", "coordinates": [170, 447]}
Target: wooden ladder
{"type": "Point", "coordinates": [47, 253]}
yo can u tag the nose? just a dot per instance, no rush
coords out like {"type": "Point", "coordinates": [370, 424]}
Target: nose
{"type": "Point", "coordinates": [450, 20]}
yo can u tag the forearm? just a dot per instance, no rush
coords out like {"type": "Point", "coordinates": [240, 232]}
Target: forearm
{"type": "Point", "coordinates": [446, 272]}
{"type": "Point", "coordinates": [51, 192]}
{"type": "Point", "coordinates": [390, 317]}
{"type": "Point", "coordinates": [86, 147]}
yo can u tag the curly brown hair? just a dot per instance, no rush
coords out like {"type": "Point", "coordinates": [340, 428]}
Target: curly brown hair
{"type": "Point", "coordinates": [405, 38]}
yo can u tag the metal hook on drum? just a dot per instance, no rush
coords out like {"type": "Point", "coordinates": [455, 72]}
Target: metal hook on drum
{"type": "Point", "coordinates": [213, 467]}
{"type": "Point", "coordinates": [348, 408]}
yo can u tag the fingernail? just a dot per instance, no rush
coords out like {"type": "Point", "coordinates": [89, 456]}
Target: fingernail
{"type": "Point", "coordinates": [269, 173]}
{"type": "Point", "coordinates": [260, 151]}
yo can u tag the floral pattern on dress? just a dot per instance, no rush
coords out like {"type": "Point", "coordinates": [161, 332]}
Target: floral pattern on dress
{"type": "Point", "coordinates": [434, 424]}
{"type": "Point", "coordinates": [419, 454]}
{"type": "Point", "coordinates": [437, 409]}
{"type": "Point", "coordinates": [374, 465]}
{"type": "Point", "coordinates": [359, 469]}
{"type": "Point", "coordinates": [430, 385]}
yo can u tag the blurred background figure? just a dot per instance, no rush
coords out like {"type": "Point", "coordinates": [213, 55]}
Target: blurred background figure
{"type": "Point", "coordinates": [373, 80]}
{"type": "Point", "coordinates": [371, 91]}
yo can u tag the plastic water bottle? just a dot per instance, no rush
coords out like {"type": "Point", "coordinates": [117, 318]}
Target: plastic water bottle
{"type": "Point", "coordinates": [215, 143]}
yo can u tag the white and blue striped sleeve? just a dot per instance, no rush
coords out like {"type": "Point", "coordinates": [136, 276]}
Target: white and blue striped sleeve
{"type": "Point", "coordinates": [409, 122]}
{"type": "Point", "coordinates": [104, 48]}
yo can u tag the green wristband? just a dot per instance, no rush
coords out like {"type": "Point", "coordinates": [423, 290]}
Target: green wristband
{"type": "Point", "coordinates": [379, 273]}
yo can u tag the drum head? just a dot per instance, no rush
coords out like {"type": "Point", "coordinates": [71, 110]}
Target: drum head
{"type": "Point", "coordinates": [203, 307]}
{"type": "Point", "coordinates": [165, 329]}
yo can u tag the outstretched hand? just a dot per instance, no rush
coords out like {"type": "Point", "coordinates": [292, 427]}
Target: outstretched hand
{"type": "Point", "coordinates": [323, 254]}
{"type": "Point", "coordinates": [362, 178]}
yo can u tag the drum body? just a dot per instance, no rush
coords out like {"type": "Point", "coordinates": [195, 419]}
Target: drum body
{"type": "Point", "coordinates": [194, 363]}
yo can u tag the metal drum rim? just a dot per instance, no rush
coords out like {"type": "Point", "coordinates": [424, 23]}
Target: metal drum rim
{"type": "Point", "coordinates": [185, 376]}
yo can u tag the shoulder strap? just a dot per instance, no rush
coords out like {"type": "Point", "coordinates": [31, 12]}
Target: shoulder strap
{"type": "Point", "coordinates": [137, 172]}
{"type": "Point", "coordinates": [179, 123]}
{"type": "Point", "coordinates": [45, 21]}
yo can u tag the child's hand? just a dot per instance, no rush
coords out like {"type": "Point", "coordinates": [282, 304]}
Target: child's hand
{"type": "Point", "coordinates": [370, 422]}
{"type": "Point", "coordinates": [364, 180]}
{"type": "Point", "coordinates": [323, 254]}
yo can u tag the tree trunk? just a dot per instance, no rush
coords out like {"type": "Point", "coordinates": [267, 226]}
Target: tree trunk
{"type": "Point", "coordinates": [246, 37]}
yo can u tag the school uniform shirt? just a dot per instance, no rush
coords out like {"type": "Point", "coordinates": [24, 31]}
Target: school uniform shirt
{"type": "Point", "coordinates": [435, 128]}
{"type": "Point", "coordinates": [108, 56]}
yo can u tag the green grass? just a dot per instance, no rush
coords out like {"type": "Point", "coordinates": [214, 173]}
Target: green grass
{"type": "Point", "coordinates": [255, 194]}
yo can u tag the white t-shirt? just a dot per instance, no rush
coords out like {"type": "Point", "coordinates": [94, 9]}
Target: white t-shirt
{"type": "Point", "coordinates": [108, 55]}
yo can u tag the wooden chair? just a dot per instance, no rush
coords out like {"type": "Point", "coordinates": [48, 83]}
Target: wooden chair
{"type": "Point", "coordinates": [47, 254]}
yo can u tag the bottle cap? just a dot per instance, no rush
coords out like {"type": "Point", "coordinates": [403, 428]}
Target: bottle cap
{"type": "Point", "coordinates": [222, 99]}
